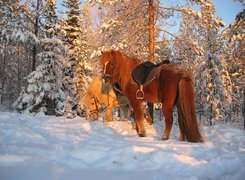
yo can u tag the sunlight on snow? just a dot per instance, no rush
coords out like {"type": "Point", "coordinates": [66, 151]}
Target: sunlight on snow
{"type": "Point", "coordinates": [11, 159]}
{"type": "Point", "coordinates": [189, 160]}
{"type": "Point", "coordinates": [143, 149]}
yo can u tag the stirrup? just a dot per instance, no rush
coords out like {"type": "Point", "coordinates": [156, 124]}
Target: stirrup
{"type": "Point", "coordinates": [140, 93]}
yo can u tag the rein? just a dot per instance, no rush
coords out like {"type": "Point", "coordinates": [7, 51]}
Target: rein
{"type": "Point", "coordinates": [98, 110]}
{"type": "Point", "coordinates": [96, 101]}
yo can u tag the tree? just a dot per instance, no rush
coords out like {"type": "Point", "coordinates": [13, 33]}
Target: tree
{"type": "Point", "coordinates": [78, 69]}
{"type": "Point", "coordinates": [43, 92]}
{"type": "Point", "coordinates": [186, 47]}
{"type": "Point", "coordinates": [212, 78]}
{"type": "Point", "coordinates": [36, 28]}
{"type": "Point", "coordinates": [234, 39]}
{"type": "Point", "coordinates": [151, 31]}
{"type": "Point", "coordinates": [17, 37]}
{"type": "Point", "coordinates": [124, 26]}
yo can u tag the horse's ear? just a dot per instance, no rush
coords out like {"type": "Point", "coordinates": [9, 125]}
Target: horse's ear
{"type": "Point", "coordinates": [113, 52]}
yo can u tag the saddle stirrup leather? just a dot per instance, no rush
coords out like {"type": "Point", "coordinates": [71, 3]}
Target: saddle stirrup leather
{"type": "Point", "coordinates": [140, 93]}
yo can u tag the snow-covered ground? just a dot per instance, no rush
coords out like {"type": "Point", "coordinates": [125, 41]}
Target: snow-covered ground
{"type": "Point", "coordinates": [46, 147]}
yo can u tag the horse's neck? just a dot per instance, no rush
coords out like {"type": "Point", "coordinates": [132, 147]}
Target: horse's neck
{"type": "Point", "coordinates": [125, 73]}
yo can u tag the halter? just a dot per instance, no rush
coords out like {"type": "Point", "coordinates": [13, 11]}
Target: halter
{"type": "Point", "coordinates": [105, 75]}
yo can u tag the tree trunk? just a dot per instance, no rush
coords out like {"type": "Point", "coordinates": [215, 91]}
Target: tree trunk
{"type": "Point", "coordinates": [151, 45]}
{"type": "Point", "coordinates": [34, 51]}
{"type": "Point", "coordinates": [151, 31]}
{"type": "Point", "coordinates": [3, 78]}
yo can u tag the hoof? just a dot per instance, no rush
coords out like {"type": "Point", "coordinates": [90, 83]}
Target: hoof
{"type": "Point", "coordinates": [181, 139]}
{"type": "Point", "coordinates": [164, 138]}
{"type": "Point", "coordinates": [142, 134]}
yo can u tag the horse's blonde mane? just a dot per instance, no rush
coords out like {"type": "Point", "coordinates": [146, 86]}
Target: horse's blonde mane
{"type": "Point", "coordinates": [97, 87]}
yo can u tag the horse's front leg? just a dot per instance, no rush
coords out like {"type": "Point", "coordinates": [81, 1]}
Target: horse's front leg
{"type": "Point", "coordinates": [139, 117]}
{"type": "Point", "coordinates": [108, 114]}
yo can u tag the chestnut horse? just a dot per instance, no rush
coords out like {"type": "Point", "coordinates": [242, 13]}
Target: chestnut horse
{"type": "Point", "coordinates": [173, 86]}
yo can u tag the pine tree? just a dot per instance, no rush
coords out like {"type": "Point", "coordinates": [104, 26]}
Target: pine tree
{"type": "Point", "coordinates": [234, 53]}
{"type": "Point", "coordinates": [78, 69]}
{"type": "Point", "coordinates": [186, 48]}
{"type": "Point", "coordinates": [44, 88]}
{"type": "Point", "coordinates": [16, 37]}
{"type": "Point", "coordinates": [212, 79]}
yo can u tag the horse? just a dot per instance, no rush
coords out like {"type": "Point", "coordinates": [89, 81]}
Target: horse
{"type": "Point", "coordinates": [172, 86]}
{"type": "Point", "coordinates": [101, 96]}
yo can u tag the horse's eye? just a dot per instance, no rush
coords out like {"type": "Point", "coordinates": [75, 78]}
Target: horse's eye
{"type": "Point", "coordinates": [112, 64]}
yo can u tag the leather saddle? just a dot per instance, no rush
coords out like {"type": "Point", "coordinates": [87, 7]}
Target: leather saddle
{"type": "Point", "coordinates": [144, 74]}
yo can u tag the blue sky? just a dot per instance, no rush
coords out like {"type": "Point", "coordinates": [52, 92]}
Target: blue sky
{"type": "Point", "coordinates": [227, 9]}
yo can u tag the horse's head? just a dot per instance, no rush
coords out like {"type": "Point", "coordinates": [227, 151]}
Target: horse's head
{"type": "Point", "coordinates": [92, 105]}
{"type": "Point", "coordinates": [108, 61]}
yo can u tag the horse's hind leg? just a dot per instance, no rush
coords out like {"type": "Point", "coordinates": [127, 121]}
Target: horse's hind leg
{"type": "Point", "coordinates": [167, 112]}
{"type": "Point", "coordinates": [182, 135]}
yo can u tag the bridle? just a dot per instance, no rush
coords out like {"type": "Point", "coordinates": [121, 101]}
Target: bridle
{"type": "Point", "coordinates": [105, 75]}
{"type": "Point", "coordinates": [109, 77]}
{"type": "Point", "coordinates": [97, 110]}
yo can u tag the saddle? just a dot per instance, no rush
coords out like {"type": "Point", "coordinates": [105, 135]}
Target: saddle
{"type": "Point", "coordinates": [144, 74]}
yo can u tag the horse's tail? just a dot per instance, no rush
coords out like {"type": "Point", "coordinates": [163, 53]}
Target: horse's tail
{"type": "Point", "coordinates": [187, 111]}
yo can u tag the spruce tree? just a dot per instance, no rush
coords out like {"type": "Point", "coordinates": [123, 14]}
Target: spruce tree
{"type": "Point", "coordinates": [78, 70]}
{"type": "Point", "coordinates": [234, 54]}
{"type": "Point", "coordinates": [44, 90]}
{"type": "Point", "coordinates": [212, 78]}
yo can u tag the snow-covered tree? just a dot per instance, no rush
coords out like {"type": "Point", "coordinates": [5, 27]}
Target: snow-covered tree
{"type": "Point", "coordinates": [186, 49]}
{"type": "Point", "coordinates": [43, 92]}
{"type": "Point", "coordinates": [16, 41]}
{"type": "Point", "coordinates": [234, 54]}
{"type": "Point", "coordinates": [123, 25]}
{"type": "Point", "coordinates": [78, 69]}
{"type": "Point", "coordinates": [212, 78]}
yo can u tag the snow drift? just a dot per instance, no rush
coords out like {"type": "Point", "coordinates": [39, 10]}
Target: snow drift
{"type": "Point", "coordinates": [46, 147]}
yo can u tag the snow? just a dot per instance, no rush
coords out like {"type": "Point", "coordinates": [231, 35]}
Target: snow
{"type": "Point", "coordinates": [48, 147]}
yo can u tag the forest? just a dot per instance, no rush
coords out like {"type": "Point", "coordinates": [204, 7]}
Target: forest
{"type": "Point", "coordinates": [50, 51]}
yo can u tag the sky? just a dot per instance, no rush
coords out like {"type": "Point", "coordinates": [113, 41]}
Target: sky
{"type": "Point", "coordinates": [227, 9]}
